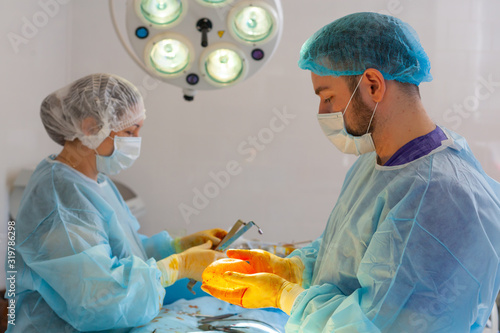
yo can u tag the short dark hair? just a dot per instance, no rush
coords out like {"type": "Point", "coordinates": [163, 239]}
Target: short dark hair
{"type": "Point", "coordinates": [409, 89]}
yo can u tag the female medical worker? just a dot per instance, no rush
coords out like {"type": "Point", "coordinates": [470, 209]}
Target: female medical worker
{"type": "Point", "coordinates": [81, 265]}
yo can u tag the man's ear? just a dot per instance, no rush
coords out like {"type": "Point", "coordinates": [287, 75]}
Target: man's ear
{"type": "Point", "coordinates": [376, 83]}
{"type": "Point", "coordinates": [90, 126]}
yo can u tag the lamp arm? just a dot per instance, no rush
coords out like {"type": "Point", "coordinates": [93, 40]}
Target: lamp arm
{"type": "Point", "coordinates": [122, 40]}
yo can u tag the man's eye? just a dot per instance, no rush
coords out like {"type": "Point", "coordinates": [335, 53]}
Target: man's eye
{"type": "Point", "coordinates": [328, 100]}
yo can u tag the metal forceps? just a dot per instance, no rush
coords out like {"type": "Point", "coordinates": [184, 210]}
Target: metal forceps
{"type": "Point", "coordinates": [238, 229]}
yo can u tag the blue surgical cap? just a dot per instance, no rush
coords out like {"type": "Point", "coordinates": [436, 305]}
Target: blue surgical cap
{"type": "Point", "coordinates": [356, 42]}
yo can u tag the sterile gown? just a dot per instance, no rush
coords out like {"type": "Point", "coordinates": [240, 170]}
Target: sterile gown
{"type": "Point", "coordinates": [410, 248]}
{"type": "Point", "coordinates": [81, 265]}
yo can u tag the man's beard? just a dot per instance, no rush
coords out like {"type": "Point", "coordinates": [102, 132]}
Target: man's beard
{"type": "Point", "coordinates": [362, 115]}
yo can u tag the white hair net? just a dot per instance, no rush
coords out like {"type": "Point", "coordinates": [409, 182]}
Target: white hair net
{"type": "Point", "coordinates": [90, 108]}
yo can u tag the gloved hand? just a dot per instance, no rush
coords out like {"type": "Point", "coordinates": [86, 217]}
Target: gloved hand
{"type": "Point", "coordinates": [214, 235]}
{"type": "Point", "coordinates": [290, 269]}
{"type": "Point", "coordinates": [188, 264]}
{"type": "Point", "coordinates": [259, 290]}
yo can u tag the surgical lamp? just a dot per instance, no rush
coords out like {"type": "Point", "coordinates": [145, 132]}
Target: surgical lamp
{"type": "Point", "coordinates": [201, 44]}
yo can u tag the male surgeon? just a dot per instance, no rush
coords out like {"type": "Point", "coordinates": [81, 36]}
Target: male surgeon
{"type": "Point", "coordinates": [413, 242]}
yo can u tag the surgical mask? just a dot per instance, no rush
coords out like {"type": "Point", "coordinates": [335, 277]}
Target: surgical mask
{"type": "Point", "coordinates": [127, 150]}
{"type": "Point", "coordinates": [333, 126]}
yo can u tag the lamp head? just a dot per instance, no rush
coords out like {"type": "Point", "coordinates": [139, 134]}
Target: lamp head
{"type": "Point", "coordinates": [204, 44]}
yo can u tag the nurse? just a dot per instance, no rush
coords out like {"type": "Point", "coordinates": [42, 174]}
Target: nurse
{"type": "Point", "coordinates": [413, 242]}
{"type": "Point", "coordinates": [81, 263]}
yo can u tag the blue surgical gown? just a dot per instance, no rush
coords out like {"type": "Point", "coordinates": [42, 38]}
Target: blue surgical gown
{"type": "Point", "coordinates": [81, 265]}
{"type": "Point", "coordinates": [411, 248]}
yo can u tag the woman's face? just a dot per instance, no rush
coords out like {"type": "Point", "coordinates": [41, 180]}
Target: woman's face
{"type": "Point", "coordinates": [107, 147]}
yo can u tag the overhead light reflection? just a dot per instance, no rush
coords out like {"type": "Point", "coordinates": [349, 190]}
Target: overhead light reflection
{"type": "Point", "coordinates": [218, 2]}
{"type": "Point", "coordinates": [161, 12]}
{"type": "Point", "coordinates": [253, 24]}
{"type": "Point", "coordinates": [169, 56]}
{"type": "Point", "coordinates": [224, 66]}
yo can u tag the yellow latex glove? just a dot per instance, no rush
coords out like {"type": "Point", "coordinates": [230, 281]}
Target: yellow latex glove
{"type": "Point", "coordinates": [259, 290]}
{"type": "Point", "coordinates": [290, 269]}
{"type": "Point", "coordinates": [188, 264]}
{"type": "Point", "coordinates": [214, 235]}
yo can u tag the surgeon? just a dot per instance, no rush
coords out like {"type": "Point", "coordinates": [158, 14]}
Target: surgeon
{"type": "Point", "coordinates": [413, 242]}
{"type": "Point", "coordinates": [81, 264]}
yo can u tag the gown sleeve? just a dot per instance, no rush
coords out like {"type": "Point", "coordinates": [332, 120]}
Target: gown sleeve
{"type": "Point", "coordinates": [158, 246]}
{"type": "Point", "coordinates": [397, 289]}
{"type": "Point", "coordinates": [308, 255]}
{"type": "Point", "coordinates": [77, 274]}
{"type": "Point", "coordinates": [420, 271]}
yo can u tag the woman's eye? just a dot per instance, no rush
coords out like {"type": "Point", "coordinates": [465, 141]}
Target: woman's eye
{"type": "Point", "coordinates": [328, 100]}
{"type": "Point", "coordinates": [129, 133]}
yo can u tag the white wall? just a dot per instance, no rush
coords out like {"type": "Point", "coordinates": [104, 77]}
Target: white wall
{"type": "Point", "coordinates": [35, 49]}
{"type": "Point", "coordinates": [291, 185]}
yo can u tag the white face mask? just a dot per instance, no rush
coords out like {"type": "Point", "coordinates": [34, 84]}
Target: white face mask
{"type": "Point", "coordinates": [127, 150]}
{"type": "Point", "coordinates": [333, 126]}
